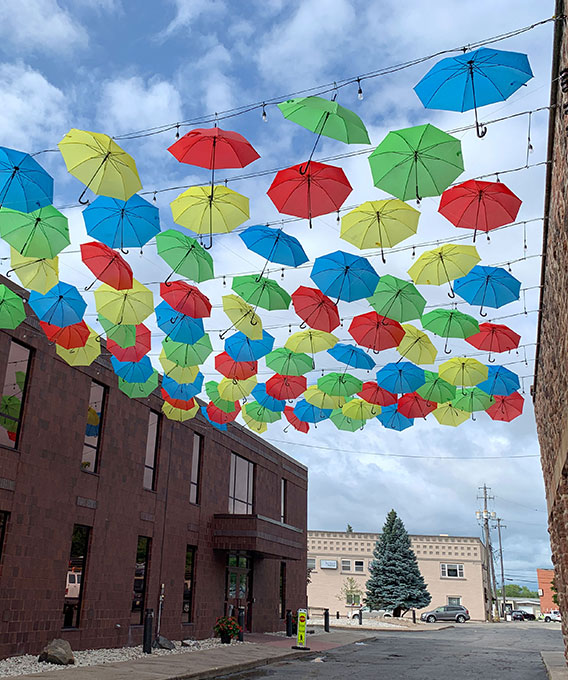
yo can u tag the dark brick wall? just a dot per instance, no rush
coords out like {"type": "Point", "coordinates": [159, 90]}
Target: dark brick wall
{"type": "Point", "coordinates": [46, 492]}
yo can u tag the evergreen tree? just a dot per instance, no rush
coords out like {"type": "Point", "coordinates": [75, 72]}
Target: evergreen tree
{"type": "Point", "coordinates": [396, 582]}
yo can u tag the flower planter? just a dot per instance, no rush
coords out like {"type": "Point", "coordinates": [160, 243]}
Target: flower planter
{"type": "Point", "coordinates": [225, 638]}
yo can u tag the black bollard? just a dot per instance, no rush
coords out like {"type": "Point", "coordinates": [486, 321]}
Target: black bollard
{"type": "Point", "coordinates": [360, 617]}
{"type": "Point", "coordinates": [241, 622]}
{"type": "Point", "coordinates": [414, 616]}
{"type": "Point", "coordinates": [148, 626]}
{"type": "Point", "coordinates": [337, 615]}
{"type": "Point", "coordinates": [326, 620]}
{"type": "Point", "coordinates": [288, 623]}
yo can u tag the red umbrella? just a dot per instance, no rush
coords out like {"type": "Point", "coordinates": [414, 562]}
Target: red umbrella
{"type": "Point", "coordinates": [141, 346]}
{"type": "Point", "coordinates": [376, 331]}
{"type": "Point", "coordinates": [219, 416]}
{"type": "Point", "coordinates": [185, 405]}
{"type": "Point", "coordinates": [315, 309]}
{"type": "Point", "coordinates": [506, 408]}
{"type": "Point", "coordinates": [237, 370]}
{"type": "Point", "coordinates": [373, 394]}
{"type": "Point", "coordinates": [214, 148]}
{"type": "Point", "coordinates": [286, 386]}
{"type": "Point", "coordinates": [309, 190]}
{"type": "Point", "coordinates": [69, 337]}
{"type": "Point", "coordinates": [107, 265]}
{"type": "Point", "coordinates": [494, 337]}
{"type": "Point", "coordinates": [412, 405]}
{"type": "Point", "coordinates": [294, 421]}
{"type": "Point", "coordinates": [479, 205]}
{"type": "Point", "coordinates": [186, 299]}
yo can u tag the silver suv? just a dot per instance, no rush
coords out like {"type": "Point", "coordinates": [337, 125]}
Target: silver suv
{"type": "Point", "coordinates": [451, 612]}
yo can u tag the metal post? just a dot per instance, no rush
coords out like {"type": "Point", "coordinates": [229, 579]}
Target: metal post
{"type": "Point", "coordinates": [148, 625]}
{"type": "Point", "coordinates": [503, 598]}
{"type": "Point", "coordinates": [288, 623]}
{"type": "Point", "coordinates": [337, 615]}
{"type": "Point", "coordinates": [414, 616]}
{"type": "Point", "coordinates": [241, 622]}
{"type": "Point", "coordinates": [326, 620]}
{"type": "Point", "coordinates": [360, 617]}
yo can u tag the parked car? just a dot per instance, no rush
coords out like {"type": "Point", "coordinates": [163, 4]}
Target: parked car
{"type": "Point", "coordinates": [553, 615]}
{"type": "Point", "coordinates": [517, 615]}
{"type": "Point", "coordinates": [528, 616]}
{"type": "Point", "coordinates": [450, 612]}
{"type": "Point", "coordinates": [369, 613]}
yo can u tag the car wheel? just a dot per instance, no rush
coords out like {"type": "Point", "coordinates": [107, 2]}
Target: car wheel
{"type": "Point", "coordinates": [431, 619]}
{"type": "Point", "coordinates": [387, 616]}
{"type": "Point", "coordinates": [547, 619]}
{"type": "Point", "coordinates": [460, 618]}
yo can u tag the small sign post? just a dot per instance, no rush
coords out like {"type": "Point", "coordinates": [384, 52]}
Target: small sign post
{"type": "Point", "coordinates": [301, 639]}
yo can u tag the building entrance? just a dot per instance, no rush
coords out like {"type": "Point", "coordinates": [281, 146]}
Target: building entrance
{"type": "Point", "coordinates": [238, 588]}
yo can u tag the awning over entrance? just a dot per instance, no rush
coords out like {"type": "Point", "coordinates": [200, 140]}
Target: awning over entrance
{"type": "Point", "coordinates": [258, 534]}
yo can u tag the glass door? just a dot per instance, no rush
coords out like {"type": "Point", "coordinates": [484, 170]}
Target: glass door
{"type": "Point", "coordinates": [238, 591]}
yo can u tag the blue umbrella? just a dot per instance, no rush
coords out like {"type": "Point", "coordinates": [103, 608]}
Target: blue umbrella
{"type": "Point", "coordinates": [500, 381]}
{"type": "Point", "coordinates": [24, 184]}
{"type": "Point", "coordinates": [241, 348]}
{"type": "Point", "coordinates": [274, 245]}
{"type": "Point", "coordinates": [309, 413]}
{"type": "Point", "coordinates": [400, 377]}
{"type": "Point", "coordinates": [211, 422]}
{"type": "Point", "coordinates": [264, 399]}
{"type": "Point", "coordinates": [133, 371]}
{"type": "Point", "coordinates": [473, 79]}
{"type": "Point", "coordinates": [488, 287]}
{"type": "Point", "coordinates": [392, 419]}
{"type": "Point", "coordinates": [61, 306]}
{"type": "Point", "coordinates": [352, 356]}
{"type": "Point", "coordinates": [122, 224]}
{"type": "Point", "coordinates": [183, 391]}
{"type": "Point", "coordinates": [344, 276]}
{"type": "Point", "coordinates": [178, 326]}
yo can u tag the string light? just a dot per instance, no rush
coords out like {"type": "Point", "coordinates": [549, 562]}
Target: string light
{"type": "Point", "coordinates": [264, 116]}
{"type": "Point", "coordinates": [360, 90]}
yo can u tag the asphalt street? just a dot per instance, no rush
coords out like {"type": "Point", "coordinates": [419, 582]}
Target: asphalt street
{"type": "Point", "coordinates": [489, 651]}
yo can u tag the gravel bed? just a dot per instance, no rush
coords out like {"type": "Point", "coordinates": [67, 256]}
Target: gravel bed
{"type": "Point", "coordinates": [367, 623]}
{"type": "Point", "coordinates": [28, 663]}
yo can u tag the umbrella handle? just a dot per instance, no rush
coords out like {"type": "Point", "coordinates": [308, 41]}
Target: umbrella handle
{"type": "Point", "coordinates": [482, 313]}
{"type": "Point", "coordinates": [82, 200]}
{"type": "Point", "coordinates": [490, 360]}
{"type": "Point", "coordinates": [286, 428]}
{"type": "Point", "coordinates": [91, 285]}
{"type": "Point", "coordinates": [124, 251]}
{"type": "Point", "coordinates": [481, 132]}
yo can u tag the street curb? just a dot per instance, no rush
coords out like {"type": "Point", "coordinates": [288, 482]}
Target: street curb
{"type": "Point", "coordinates": [555, 664]}
{"type": "Point", "coordinates": [402, 629]}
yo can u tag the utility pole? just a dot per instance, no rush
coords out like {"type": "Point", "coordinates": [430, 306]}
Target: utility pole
{"type": "Point", "coordinates": [485, 515]}
{"type": "Point", "coordinates": [499, 527]}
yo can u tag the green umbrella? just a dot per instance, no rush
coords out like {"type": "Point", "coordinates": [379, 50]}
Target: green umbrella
{"type": "Point", "coordinates": [340, 384]}
{"type": "Point", "coordinates": [141, 389]}
{"type": "Point", "coordinates": [184, 354]}
{"type": "Point", "coordinates": [286, 362]}
{"type": "Point", "coordinates": [342, 422]}
{"type": "Point", "coordinates": [397, 299]}
{"type": "Point", "coordinates": [450, 323]}
{"type": "Point", "coordinates": [10, 405]}
{"type": "Point", "coordinates": [20, 380]}
{"type": "Point", "coordinates": [184, 255]}
{"type": "Point", "coordinates": [212, 389]}
{"type": "Point", "coordinates": [12, 311]}
{"type": "Point", "coordinates": [416, 162]}
{"type": "Point", "coordinates": [42, 233]}
{"type": "Point", "coordinates": [326, 117]}
{"type": "Point", "coordinates": [436, 389]}
{"type": "Point", "coordinates": [262, 292]}
{"type": "Point", "coordinates": [123, 334]}
{"type": "Point", "coordinates": [473, 399]}
{"type": "Point", "coordinates": [261, 413]}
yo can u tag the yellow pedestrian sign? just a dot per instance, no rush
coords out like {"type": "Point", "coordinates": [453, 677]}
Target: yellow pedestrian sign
{"type": "Point", "coordinates": [302, 621]}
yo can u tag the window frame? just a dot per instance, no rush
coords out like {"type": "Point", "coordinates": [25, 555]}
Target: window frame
{"type": "Point", "coordinates": [97, 447]}
{"type": "Point", "coordinates": [84, 568]}
{"type": "Point", "coordinates": [361, 563]}
{"type": "Point", "coordinates": [4, 519]}
{"type": "Point", "coordinates": [153, 467]}
{"type": "Point", "coordinates": [144, 591]}
{"type": "Point", "coordinates": [345, 562]}
{"type": "Point", "coordinates": [195, 483]}
{"type": "Point", "coordinates": [187, 617]}
{"type": "Point", "coordinates": [311, 559]}
{"type": "Point", "coordinates": [282, 590]}
{"type": "Point", "coordinates": [444, 570]}
{"type": "Point", "coordinates": [249, 502]}
{"type": "Point", "coordinates": [19, 421]}
{"type": "Point", "coordinates": [283, 500]}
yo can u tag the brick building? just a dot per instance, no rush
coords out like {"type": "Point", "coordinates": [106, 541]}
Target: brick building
{"type": "Point", "coordinates": [102, 500]}
{"type": "Point", "coordinates": [545, 578]}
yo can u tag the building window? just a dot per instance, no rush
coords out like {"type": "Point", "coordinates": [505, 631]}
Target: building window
{"type": "Point", "coordinates": [451, 570]}
{"type": "Point", "coordinates": [353, 598]}
{"type": "Point", "coordinates": [3, 525]}
{"type": "Point", "coordinates": [90, 460]}
{"type": "Point", "coordinates": [150, 461]}
{"type": "Point", "coordinates": [188, 584]}
{"type": "Point", "coordinates": [282, 590]}
{"type": "Point", "coordinates": [76, 574]}
{"type": "Point", "coordinates": [195, 468]}
{"type": "Point", "coordinates": [454, 601]}
{"type": "Point", "coordinates": [345, 565]}
{"type": "Point", "coordinates": [241, 486]}
{"type": "Point", "coordinates": [140, 579]}
{"type": "Point", "coordinates": [283, 503]}
{"type": "Point", "coordinates": [13, 394]}
{"type": "Point", "coordinates": [359, 565]}
{"type": "Point", "coordinates": [311, 563]}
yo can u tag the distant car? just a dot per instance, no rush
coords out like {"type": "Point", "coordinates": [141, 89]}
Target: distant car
{"type": "Point", "coordinates": [450, 612]}
{"type": "Point", "coordinates": [369, 613]}
{"type": "Point", "coordinates": [517, 615]}
{"type": "Point", "coordinates": [553, 615]}
{"type": "Point", "coordinates": [528, 615]}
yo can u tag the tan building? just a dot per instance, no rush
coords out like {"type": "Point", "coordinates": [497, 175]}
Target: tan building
{"type": "Point", "coordinates": [452, 566]}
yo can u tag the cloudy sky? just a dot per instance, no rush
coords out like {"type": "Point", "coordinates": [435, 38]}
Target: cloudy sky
{"type": "Point", "coordinates": [117, 66]}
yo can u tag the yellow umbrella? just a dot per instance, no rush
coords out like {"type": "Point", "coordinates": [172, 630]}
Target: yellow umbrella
{"type": "Point", "coordinates": [314, 396]}
{"type": "Point", "coordinates": [254, 425]}
{"type": "Point", "coordinates": [463, 371]}
{"type": "Point", "coordinates": [416, 346]}
{"type": "Point", "coordinates": [379, 224]}
{"type": "Point", "coordinates": [179, 414]}
{"type": "Point", "coordinates": [36, 274]}
{"type": "Point", "coordinates": [448, 414]}
{"type": "Point", "coordinates": [311, 341]}
{"type": "Point", "coordinates": [82, 356]}
{"type": "Point", "coordinates": [181, 374]}
{"type": "Point", "coordinates": [232, 390]}
{"type": "Point", "coordinates": [359, 409]}
{"type": "Point", "coordinates": [444, 264]}
{"type": "Point", "coordinates": [97, 161]}
{"type": "Point", "coordinates": [242, 316]}
{"type": "Point", "coordinates": [130, 306]}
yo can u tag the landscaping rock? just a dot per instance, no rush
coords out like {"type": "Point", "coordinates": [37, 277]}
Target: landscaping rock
{"type": "Point", "coordinates": [58, 652]}
{"type": "Point", "coordinates": [163, 643]}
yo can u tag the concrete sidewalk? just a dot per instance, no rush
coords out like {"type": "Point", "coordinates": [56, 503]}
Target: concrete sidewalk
{"type": "Point", "coordinates": [555, 663]}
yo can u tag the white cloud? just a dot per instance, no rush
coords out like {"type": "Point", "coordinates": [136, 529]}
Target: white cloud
{"type": "Point", "coordinates": [188, 11]}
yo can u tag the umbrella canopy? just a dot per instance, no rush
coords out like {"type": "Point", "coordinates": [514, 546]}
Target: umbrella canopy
{"type": "Point", "coordinates": [184, 255]}
{"type": "Point", "coordinates": [100, 164]}
{"type": "Point", "coordinates": [213, 148]}
{"type": "Point", "coordinates": [500, 381]}
{"type": "Point", "coordinates": [233, 390]}
{"type": "Point", "coordinates": [397, 299]}
{"type": "Point", "coordinates": [340, 384]}
{"type": "Point", "coordinates": [62, 305]}
{"type": "Point", "coordinates": [310, 341]}
{"type": "Point", "coordinates": [450, 323]}
{"type": "Point", "coordinates": [177, 326]}
{"type": "Point", "coordinates": [185, 404]}
{"type": "Point", "coordinates": [181, 374]}
{"type": "Point", "coordinates": [480, 206]}
{"type": "Point", "coordinates": [436, 389]}
{"type": "Point", "coordinates": [133, 371]}
{"type": "Point", "coordinates": [142, 345]}
{"type": "Point", "coordinates": [212, 389]}
{"type": "Point", "coordinates": [463, 371]}
{"type": "Point", "coordinates": [313, 395]}
{"type": "Point", "coordinates": [254, 425]}
{"type": "Point", "coordinates": [412, 405]}
{"type": "Point", "coordinates": [308, 413]}
{"type": "Point", "coordinates": [122, 223]}
{"type": "Point", "coordinates": [123, 334]}
{"type": "Point", "coordinates": [443, 264]}
{"type": "Point", "coordinates": [191, 354]}
{"type": "Point", "coordinates": [400, 377]}
{"type": "Point", "coordinates": [373, 394]}
{"type": "Point", "coordinates": [344, 276]}
{"type": "Point", "coordinates": [391, 418]}
{"type": "Point", "coordinates": [286, 386]}
{"type": "Point", "coordinates": [186, 299]}
{"type": "Point", "coordinates": [130, 306]}
{"type": "Point", "coordinates": [182, 390]}
{"type": "Point", "coordinates": [242, 317]}
{"type": "Point", "coordinates": [494, 337]}
{"type": "Point", "coordinates": [448, 414]}
{"type": "Point", "coordinates": [241, 348]}
{"type": "Point", "coordinates": [488, 287]}
{"type": "Point", "coordinates": [294, 421]}
{"type": "Point", "coordinates": [177, 414]}
{"type": "Point", "coordinates": [36, 274]}
{"type": "Point", "coordinates": [240, 370]}
{"type": "Point", "coordinates": [219, 416]}
{"type": "Point", "coordinates": [266, 400]}
{"type": "Point", "coordinates": [42, 233]}
{"type": "Point", "coordinates": [315, 309]}
{"type": "Point", "coordinates": [416, 346]}
{"type": "Point", "coordinates": [286, 362]}
{"type": "Point", "coordinates": [261, 292]}
{"type": "Point", "coordinates": [375, 331]}
{"type": "Point", "coordinates": [309, 190]}
{"type": "Point", "coordinates": [343, 422]}
{"type": "Point", "coordinates": [326, 117]}
{"type": "Point", "coordinates": [352, 356]}
{"type": "Point", "coordinates": [360, 410]}
{"type": "Point", "coordinates": [139, 390]}
{"type": "Point", "coordinates": [107, 265]}
{"type": "Point", "coordinates": [416, 162]}
{"type": "Point", "coordinates": [506, 407]}
{"type": "Point", "coordinates": [24, 184]}
{"type": "Point", "coordinates": [84, 355]}
{"type": "Point", "coordinates": [12, 311]}
{"type": "Point", "coordinates": [274, 245]}
{"type": "Point", "coordinates": [68, 337]}
{"type": "Point", "coordinates": [473, 399]}
{"type": "Point", "coordinates": [217, 426]}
